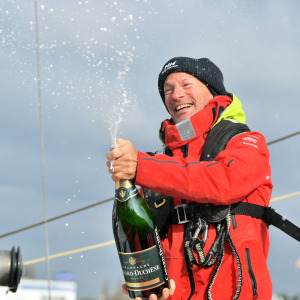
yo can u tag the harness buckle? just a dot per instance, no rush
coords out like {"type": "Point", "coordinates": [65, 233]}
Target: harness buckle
{"type": "Point", "coordinates": [184, 220]}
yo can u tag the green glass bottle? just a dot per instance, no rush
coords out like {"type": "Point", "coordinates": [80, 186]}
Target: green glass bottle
{"type": "Point", "coordinates": [138, 243]}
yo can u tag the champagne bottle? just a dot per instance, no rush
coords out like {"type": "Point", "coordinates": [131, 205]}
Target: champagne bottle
{"type": "Point", "coordinates": [138, 243]}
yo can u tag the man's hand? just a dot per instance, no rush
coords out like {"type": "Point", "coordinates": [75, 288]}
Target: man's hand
{"type": "Point", "coordinates": [167, 292]}
{"type": "Point", "coordinates": [122, 161]}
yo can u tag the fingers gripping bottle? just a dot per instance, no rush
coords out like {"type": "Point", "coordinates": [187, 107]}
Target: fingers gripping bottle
{"type": "Point", "coordinates": [138, 243]}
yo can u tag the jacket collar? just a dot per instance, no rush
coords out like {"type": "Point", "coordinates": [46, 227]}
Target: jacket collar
{"type": "Point", "coordinates": [177, 135]}
{"type": "Point", "coordinates": [234, 111]}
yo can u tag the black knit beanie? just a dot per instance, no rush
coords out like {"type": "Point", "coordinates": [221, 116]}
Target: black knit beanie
{"type": "Point", "coordinates": [203, 69]}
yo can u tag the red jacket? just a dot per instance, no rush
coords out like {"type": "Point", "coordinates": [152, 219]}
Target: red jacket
{"type": "Point", "coordinates": [239, 173]}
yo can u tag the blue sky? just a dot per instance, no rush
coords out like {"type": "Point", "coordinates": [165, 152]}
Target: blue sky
{"type": "Point", "coordinates": [99, 63]}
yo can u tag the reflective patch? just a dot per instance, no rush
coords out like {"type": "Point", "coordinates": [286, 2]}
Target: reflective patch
{"type": "Point", "coordinates": [186, 130]}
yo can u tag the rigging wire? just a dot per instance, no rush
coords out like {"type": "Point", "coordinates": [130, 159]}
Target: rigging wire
{"type": "Point", "coordinates": [285, 196]}
{"type": "Point", "coordinates": [97, 246]}
{"type": "Point", "coordinates": [42, 145]}
{"type": "Point", "coordinates": [80, 250]}
{"type": "Point", "coordinates": [283, 138]}
{"type": "Point", "coordinates": [55, 218]}
{"type": "Point", "coordinates": [102, 202]}
{"type": "Point", "coordinates": [88, 248]}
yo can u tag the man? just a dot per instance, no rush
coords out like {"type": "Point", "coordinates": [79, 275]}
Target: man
{"type": "Point", "coordinates": [211, 164]}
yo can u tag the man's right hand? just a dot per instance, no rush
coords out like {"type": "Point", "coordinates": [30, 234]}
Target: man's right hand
{"type": "Point", "coordinates": [123, 159]}
{"type": "Point", "coordinates": [167, 292]}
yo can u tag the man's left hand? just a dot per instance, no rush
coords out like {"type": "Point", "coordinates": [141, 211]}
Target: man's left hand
{"type": "Point", "coordinates": [167, 292]}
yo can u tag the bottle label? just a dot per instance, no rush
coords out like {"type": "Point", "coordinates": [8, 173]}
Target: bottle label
{"type": "Point", "coordinates": [142, 269]}
{"type": "Point", "coordinates": [125, 193]}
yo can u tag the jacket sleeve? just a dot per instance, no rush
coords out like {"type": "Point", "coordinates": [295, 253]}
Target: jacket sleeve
{"type": "Point", "coordinates": [234, 174]}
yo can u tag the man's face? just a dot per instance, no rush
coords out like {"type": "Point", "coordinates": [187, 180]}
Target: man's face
{"type": "Point", "coordinates": [185, 95]}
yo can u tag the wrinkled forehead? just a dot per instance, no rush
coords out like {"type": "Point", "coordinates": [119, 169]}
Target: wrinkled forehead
{"type": "Point", "coordinates": [180, 77]}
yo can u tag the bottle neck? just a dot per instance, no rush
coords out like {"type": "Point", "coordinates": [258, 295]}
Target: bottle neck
{"type": "Point", "coordinates": [124, 184]}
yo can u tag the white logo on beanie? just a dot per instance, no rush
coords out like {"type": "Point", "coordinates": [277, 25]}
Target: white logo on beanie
{"type": "Point", "coordinates": [169, 66]}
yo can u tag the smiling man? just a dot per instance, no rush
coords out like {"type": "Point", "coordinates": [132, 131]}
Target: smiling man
{"type": "Point", "coordinates": [201, 186]}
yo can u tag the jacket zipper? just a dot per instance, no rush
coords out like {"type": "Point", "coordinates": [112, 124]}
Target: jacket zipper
{"type": "Point", "coordinates": [251, 274]}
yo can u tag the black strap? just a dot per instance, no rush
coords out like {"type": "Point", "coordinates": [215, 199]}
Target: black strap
{"type": "Point", "coordinates": [248, 209]}
{"type": "Point", "coordinates": [184, 213]}
{"type": "Point", "coordinates": [269, 215]}
{"type": "Point", "coordinates": [219, 136]}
